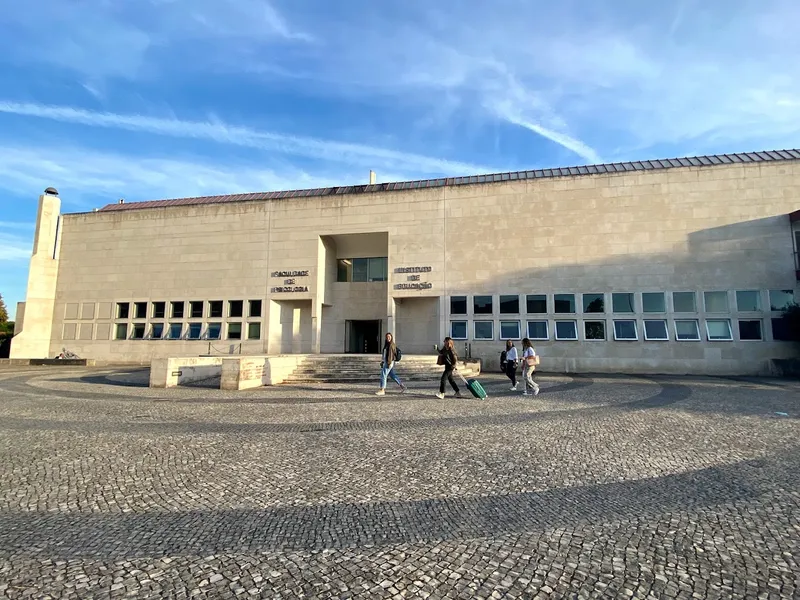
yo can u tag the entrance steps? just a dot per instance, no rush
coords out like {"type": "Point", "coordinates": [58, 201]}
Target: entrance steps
{"type": "Point", "coordinates": [358, 368]}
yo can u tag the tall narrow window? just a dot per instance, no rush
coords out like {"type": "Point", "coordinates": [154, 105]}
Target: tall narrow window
{"type": "Point", "coordinates": [235, 308]}
{"type": "Point", "coordinates": [196, 309]}
{"type": "Point", "coordinates": [123, 311]}
{"type": "Point", "coordinates": [140, 310]}
{"type": "Point", "coordinates": [176, 309]}
{"type": "Point", "coordinates": [159, 310]}
{"type": "Point", "coordinates": [255, 308]}
{"type": "Point", "coordinates": [215, 309]}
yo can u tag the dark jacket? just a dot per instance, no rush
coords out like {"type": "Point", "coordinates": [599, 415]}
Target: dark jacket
{"type": "Point", "coordinates": [449, 356]}
{"type": "Point", "coordinates": [390, 353]}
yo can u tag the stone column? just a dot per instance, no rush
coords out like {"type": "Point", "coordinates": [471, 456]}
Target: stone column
{"type": "Point", "coordinates": [34, 340]}
{"type": "Point", "coordinates": [316, 326]}
{"type": "Point", "coordinates": [443, 309]}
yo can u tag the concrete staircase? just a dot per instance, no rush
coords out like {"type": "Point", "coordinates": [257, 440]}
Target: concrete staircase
{"type": "Point", "coordinates": [358, 368]}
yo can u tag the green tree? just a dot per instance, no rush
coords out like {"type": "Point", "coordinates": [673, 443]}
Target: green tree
{"type": "Point", "coordinates": [3, 311]}
{"type": "Point", "coordinates": [791, 319]}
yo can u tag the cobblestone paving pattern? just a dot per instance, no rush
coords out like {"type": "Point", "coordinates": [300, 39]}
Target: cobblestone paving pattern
{"type": "Point", "coordinates": [600, 487]}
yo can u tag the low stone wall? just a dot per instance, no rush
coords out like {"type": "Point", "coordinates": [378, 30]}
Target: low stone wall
{"type": "Point", "coordinates": [246, 372]}
{"type": "Point", "coordinates": [49, 362]}
{"type": "Point", "coordinates": [172, 372]}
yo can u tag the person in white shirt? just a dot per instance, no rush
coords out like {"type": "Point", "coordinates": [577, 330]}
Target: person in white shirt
{"type": "Point", "coordinates": [528, 369]}
{"type": "Point", "coordinates": [511, 364]}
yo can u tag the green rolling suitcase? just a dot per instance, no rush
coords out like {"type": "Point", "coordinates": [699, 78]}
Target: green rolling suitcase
{"type": "Point", "coordinates": [474, 386]}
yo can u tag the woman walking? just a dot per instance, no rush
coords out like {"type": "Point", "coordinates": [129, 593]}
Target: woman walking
{"type": "Point", "coordinates": [528, 357]}
{"type": "Point", "coordinates": [388, 358]}
{"type": "Point", "coordinates": [511, 364]}
{"type": "Point", "coordinates": [448, 358]}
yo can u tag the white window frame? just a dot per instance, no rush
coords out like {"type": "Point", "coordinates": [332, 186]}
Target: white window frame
{"type": "Point", "coordinates": [466, 329]}
{"type": "Point", "coordinates": [696, 328]}
{"type": "Point", "coordinates": [655, 312]}
{"type": "Point", "coordinates": [605, 329]}
{"type": "Point", "coordinates": [635, 337]}
{"type": "Point", "coordinates": [727, 302]}
{"type": "Point", "coordinates": [730, 331]}
{"type": "Point", "coordinates": [656, 339]}
{"type": "Point", "coordinates": [143, 327]}
{"type": "Point", "coordinates": [759, 306]}
{"type": "Point", "coordinates": [474, 330]}
{"type": "Point", "coordinates": [760, 327]}
{"type": "Point", "coordinates": [127, 331]}
{"type": "Point", "coordinates": [555, 330]}
{"type": "Point", "coordinates": [546, 328]}
{"type": "Point", "coordinates": [519, 329]}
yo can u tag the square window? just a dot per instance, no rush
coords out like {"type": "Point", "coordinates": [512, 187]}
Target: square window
{"type": "Point", "coordinates": [138, 330]}
{"type": "Point", "coordinates": [344, 270]}
{"type": "Point", "coordinates": [625, 330]}
{"type": "Point", "coordinates": [254, 331]}
{"type": "Point", "coordinates": [687, 330]}
{"type": "Point", "coordinates": [175, 331]}
{"type": "Point", "coordinates": [594, 303]}
{"type": "Point", "coordinates": [255, 308]}
{"type": "Point", "coordinates": [748, 301]}
{"type": "Point", "coordinates": [234, 331]}
{"type": "Point", "coordinates": [509, 305]}
{"type": "Point", "coordinates": [235, 308]}
{"type": "Point", "coordinates": [719, 330]}
{"type": "Point", "coordinates": [594, 330]}
{"type": "Point", "coordinates": [69, 331]}
{"type": "Point", "coordinates": [214, 331]}
{"type": "Point", "coordinates": [140, 310]}
{"type": "Point", "coordinates": [157, 331]}
{"type": "Point", "coordinates": [215, 309]}
{"type": "Point", "coordinates": [536, 303]}
{"type": "Point", "coordinates": [176, 309]}
{"type": "Point", "coordinates": [654, 302]}
{"type": "Point", "coordinates": [684, 302]}
{"type": "Point", "coordinates": [750, 330]}
{"type": "Point", "coordinates": [195, 329]}
{"type": "Point", "coordinates": [655, 330]}
{"type": "Point", "coordinates": [482, 305]}
{"type": "Point", "coordinates": [538, 330]}
{"type": "Point", "coordinates": [196, 309]}
{"type": "Point", "coordinates": [458, 305]}
{"type": "Point", "coordinates": [121, 331]}
{"type": "Point", "coordinates": [376, 269]}
{"type": "Point", "coordinates": [716, 302]}
{"type": "Point", "coordinates": [622, 302]}
{"type": "Point", "coordinates": [509, 330]}
{"type": "Point", "coordinates": [781, 331]}
{"type": "Point", "coordinates": [566, 330]}
{"type": "Point", "coordinates": [565, 304]}
{"type": "Point", "coordinates": [458, 330]}
{"type": "Point", "coordinates": [159, 310]}
{"type": "Point", "coordinates": [484, 330]}
{"type": "Point", "coordinates": [360, 269]}
{"type": "Point", "coordinates": [123, 311]}
{"type": "Point", "coordinates": [780, 299]}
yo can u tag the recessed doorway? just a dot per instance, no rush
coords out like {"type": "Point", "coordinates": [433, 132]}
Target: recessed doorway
{"type": "Point", "coordinates": [362, 337]}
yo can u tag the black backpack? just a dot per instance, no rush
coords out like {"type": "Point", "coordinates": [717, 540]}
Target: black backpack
{"type": "Point", "coordinates": [398, 354]}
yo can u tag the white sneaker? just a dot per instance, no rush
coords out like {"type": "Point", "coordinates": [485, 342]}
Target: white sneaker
{"type": "Point", "coordinates": [440, 396]}
{"type": "Point", "coordinates": [525, 393]}
{"type": "Point", "coordinates": [380, 393]}
{"type": "Point", "coordinates": [536, 392]}
{"type": "Point", "coordinates": [513, 388]}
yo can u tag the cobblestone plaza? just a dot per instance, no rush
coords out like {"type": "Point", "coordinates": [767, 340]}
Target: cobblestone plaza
{"type": "Point", "coordinates": [601, 486]}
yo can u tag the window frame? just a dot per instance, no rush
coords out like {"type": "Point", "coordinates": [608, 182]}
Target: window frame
{"type": "Point", "coordinates": [216, 325]}
{"type": "Point", "coordinates": [631, 296]}
{"type": "Point", "coordinates": [136, 328]}
{"type": "Point", "coordinates": [779, 309]}
{"type": "Point", "coordinates": [556, 300]}
{"type": "Point", "coordinates": [140, 310]}
{"type": "Point", "coordinates": [251, 314]}
{"type": "Point", "coordinates": [519, 330]}
{"type": "Point", "coordinates": [466, 305]}
{"type": "Point", "coordinates": [228, 326]}
{"type": "Point", "coordinates": [575, 328]}
{"type": "Point", "coordinates": [655, 339]}
{"type": "Point", "coordinates": [588, 322]}
{"type": "Point", "coordinates": [169, 331]}
{"type": "Point", "coordinates": [716, 339]}
{"type": "Point", "coordinates": [116, 331]}
{"type": "Point", "coordinates": [717, 312]}
{"type": "Point", "coordinates": [153, 335]}
{"type": "Point", "coordinates": [635, 337]}
{"type": "Point", "coordinates": [199, 335]}
{"type": "Point", "coordinates": [475, 330]}
{"type": "Point", "coordinates": [758, 302]}
{"type": "Point", "coordinates": [663, 303]}
{"type": "Point", "coordinates": [508, 298]}
{"type": "Point", "coordinates": [475, 307]}
{"type": "Point", "coordinates": [235, 304]}
{"type": "Point", "coordinates": [694, 303]}
{"type": "Point", "coordinates": [253, 324]}
{"type": "Point", "coordinates": [193, 304]}
{"type": "Point", "coordinates": [760, 329]}
{"type": "Point", "coordinates": [596, 296]}
{"type": "Point", "coordinates": [466, 329]}
{"type": "Point", "coordinates": [163, 310]}
{"type": "Point", "coordinates": [546, 329]}
{"type": "Point", "coordinates": [212, 305]}
{"type": "Point", "coordinates": [696, 328]}
{"type": "Point", "coordinates": [538, 298]}
{"type": "Point", "coordinates": [127, 311]}
{"type": "Point", "coordinates": [173, 305]}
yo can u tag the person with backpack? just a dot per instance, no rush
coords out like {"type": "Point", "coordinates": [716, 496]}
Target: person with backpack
{"type": "Point", "coordinates": [510, 366]}
{"type": "Point", "coordinates": [390, 355]}
{"type": "Point", "coordinates": [449, 359]}
{"type": "Point", "coordinates": [529, 361]}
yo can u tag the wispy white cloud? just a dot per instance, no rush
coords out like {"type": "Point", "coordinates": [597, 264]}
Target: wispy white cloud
{"type": "Point", "coordinates": [15, 248]}
{"type": "Point", "coordinates": [218, 131]}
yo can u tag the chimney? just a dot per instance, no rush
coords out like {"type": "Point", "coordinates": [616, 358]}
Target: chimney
{"type": "Point", "coordinates": [372, 177]}
{"type": "Point", "coordinates": [121, 201]}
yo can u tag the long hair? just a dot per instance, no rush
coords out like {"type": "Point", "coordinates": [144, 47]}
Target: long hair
{"type": "Point", "coordinates": [526, 343]}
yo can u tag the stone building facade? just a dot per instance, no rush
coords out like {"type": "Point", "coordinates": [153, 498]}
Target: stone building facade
{"type": "Point", "coordinates": [677, 266]}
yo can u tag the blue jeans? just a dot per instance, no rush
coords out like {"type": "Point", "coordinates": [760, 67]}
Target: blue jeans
{"type": "Point", "coordinates": [386, 373]}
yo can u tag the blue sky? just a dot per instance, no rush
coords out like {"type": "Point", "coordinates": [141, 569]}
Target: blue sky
{"type": "Point", "coordinates": [148, 99]}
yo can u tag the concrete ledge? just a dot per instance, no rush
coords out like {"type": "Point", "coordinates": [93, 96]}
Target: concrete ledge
{"type": "Point", "coordinates": [172, 372]}
{"type": "Point", "coordinates": [47, 362]}
{"type": "Point", "coordinates": [246, 372]}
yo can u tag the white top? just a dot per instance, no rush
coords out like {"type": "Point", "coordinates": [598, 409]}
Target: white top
{"type": "Point", "coordinates": [511, 354]}
{"type": "Point", "coordinates": [528, 352]}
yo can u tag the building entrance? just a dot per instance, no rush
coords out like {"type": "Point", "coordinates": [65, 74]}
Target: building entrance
{"type": "Point", "coordinates": [363, 337]}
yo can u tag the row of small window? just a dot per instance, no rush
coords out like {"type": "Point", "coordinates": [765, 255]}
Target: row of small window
{"type": "Point", "coordinates": [362, 269]}
{"type": "Point", "coordinates": [177, 331]}
{"type": "Point", "coordinates": [197, 309]}
{"type": "Point", "coordinates": [622, 302]}
{"type": "Point", "coordinates": [623, 330]}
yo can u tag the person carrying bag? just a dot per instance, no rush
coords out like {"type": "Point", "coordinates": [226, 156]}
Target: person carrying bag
{"type": "Point", "coordinates": [529, 361]}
